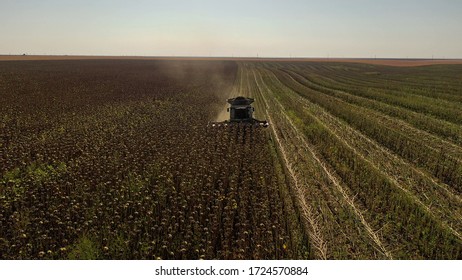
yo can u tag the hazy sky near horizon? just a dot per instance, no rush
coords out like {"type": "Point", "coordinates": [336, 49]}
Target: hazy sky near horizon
{"type": "Point", "coordinates": [309, 28]}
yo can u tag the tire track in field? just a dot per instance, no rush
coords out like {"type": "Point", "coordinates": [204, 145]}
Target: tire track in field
{"type": "Point", "coordinates": [312, 227]}
{"type": "Point", "coordinates": [315, 232]}
{"type": "Point", "coordinates": [316, 237]}
{"type": "Point", "coordinates": [350, 201]}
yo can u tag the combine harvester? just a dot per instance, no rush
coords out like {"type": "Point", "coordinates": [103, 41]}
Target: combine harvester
{"type": "Point", "coordinates": [240, 112]}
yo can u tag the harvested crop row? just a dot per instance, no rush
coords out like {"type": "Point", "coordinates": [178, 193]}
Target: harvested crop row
{"type": "Point", "coordinates": [374, 191]}
{"type": "Point", "coordinates": [437, 83]}
{"type": "Point", "coordinates": [437, 198]}
{"type": "Point", "coordinates": [423, 149]}
{"type": "Point", "coordinates": [326, 215]}
{"type": "Point", "coordinates": [364, 96]}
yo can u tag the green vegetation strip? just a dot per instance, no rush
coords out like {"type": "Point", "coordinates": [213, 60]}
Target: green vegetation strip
{"type": "Point", "coordinates": [402, 221]}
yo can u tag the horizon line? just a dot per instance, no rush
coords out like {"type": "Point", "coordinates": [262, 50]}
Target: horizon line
{"type": "Point", "coordinates": [232, 57]}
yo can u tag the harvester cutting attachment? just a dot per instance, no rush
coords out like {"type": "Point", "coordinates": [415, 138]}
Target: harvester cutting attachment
{"type": "Point", "coordinates": [240, 112]}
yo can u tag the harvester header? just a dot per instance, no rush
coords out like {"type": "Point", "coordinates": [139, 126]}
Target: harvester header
{"type": "Point", "coordinates": [240, 111]}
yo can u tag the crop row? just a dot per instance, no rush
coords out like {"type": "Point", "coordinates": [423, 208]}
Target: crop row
{"type": "Point", "coordinates": [113, 160]}
{"type": "Point", "coordinates": [438, 158]}
{"type": "Point", "coordinates": [366, 96]}
{"type": "Point", "coordinates": [408, 230]}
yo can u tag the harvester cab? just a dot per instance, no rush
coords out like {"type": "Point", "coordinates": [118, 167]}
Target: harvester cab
{"type": "Point", "coordinates": [240, 111]}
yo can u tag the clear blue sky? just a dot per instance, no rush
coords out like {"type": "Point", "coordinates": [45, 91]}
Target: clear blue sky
{"type": "Point", "coordinates": [347, 28]}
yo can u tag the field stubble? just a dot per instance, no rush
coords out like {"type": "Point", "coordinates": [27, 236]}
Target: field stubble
{"type": "Point", "coordinates": [401, 196]}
